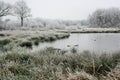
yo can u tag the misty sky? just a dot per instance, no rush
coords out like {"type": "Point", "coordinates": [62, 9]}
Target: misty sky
{"type": "Point", "coordinates": [67, 9]}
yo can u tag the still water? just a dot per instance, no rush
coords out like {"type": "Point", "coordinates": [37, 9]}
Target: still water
{"type": "Point", "coordinates": [94, 42]}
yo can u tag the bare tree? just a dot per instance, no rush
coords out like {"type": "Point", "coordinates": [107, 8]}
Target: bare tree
{"type": "Point", "coordinates": [4, 9]}
{"type": "Point", "coordinates": [22, 11]}
{"type": "Point", "coordinates": [105, 18]}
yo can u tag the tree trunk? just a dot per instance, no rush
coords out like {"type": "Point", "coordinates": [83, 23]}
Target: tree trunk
{"type": "Point", "coordinates": [22, 21]}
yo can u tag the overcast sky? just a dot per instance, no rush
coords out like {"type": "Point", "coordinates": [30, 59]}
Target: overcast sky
{"type": "Point", "coordinates": [67, 9]}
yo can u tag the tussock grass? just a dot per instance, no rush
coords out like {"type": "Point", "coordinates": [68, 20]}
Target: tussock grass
{"type": "Point", "coordinates": [80, 76]}
{"type": "Point", "coordinates": [26, 44]}
{"type": "Point", "coordinates": [29, 38]}
{"type": "Point", "coordinates": [2, 35]}
{"type": "Point", "coordinates": [48, 38]}
{"type": "Point", "coordinates": [5, 41]}
{"type": "Point", "coordinates": [52, 64]}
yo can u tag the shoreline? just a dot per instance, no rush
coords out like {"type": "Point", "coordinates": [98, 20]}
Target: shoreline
{"type": "Point", "coordinates": [29, 38]}
{"type": "Point", "coordinates": [91, 30]}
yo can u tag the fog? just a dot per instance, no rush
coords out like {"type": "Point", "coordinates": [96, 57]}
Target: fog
{"type": "Point", "coordinates": [66, 9]}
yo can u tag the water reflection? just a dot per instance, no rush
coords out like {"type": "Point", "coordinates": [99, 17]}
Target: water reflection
{"type": "Point", "coordinates": [94, 42]}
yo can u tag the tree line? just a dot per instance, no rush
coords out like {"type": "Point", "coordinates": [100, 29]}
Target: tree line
{"type": "Point", "coordinates": [100, 18]}
{"type": "Point", "coordinates": [105, 18]}
{"type": "Point", "coordinates": [19, 9]}
{"type": "Point", "coordinates": [23, 12]}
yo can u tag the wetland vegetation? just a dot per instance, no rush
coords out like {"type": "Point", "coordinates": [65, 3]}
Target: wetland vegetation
{"type": "Point", "coordinates": [21, 34]}
{"type": "Point", "coordinates": [17, 62]}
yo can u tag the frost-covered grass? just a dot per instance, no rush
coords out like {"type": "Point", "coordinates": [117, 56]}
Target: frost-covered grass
{"type": "Point", "coordinates": [29, 37]}
{"type": "Point", "coordinates": [19, 63]}
{"type": "Point", "coordinates": [55, 64]}
{"type": "Point", "coordinates": [91, 30]}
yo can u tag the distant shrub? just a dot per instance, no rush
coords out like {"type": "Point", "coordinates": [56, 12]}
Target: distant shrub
{"type": "Point", "coordinates": [5, 41]}
{"type": "Point", "coordinates": [2, 34]}
{"type": "Point", "coordinates": [52, 38]}
{"type": "Point", "coordinates": [74, 50]}
{"type": "Point", "coordinates": [34, 38]}
{"type": "Point", "coordinates": [42, 38]}
{"type": "Point", "coordinates": [27, 44]}
{"type": "Point", "coordinates": [36, 42]}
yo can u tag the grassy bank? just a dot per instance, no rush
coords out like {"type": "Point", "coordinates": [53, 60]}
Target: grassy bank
{"type": "Point", "coordinates": [29, 38]}
{"type": "Point", "coordinates": [55, 64]}
{"type": "Point", "coordinates": [91, 30]}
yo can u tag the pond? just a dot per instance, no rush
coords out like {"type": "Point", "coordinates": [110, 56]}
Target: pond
{"type": "Point", "coordinates": [93, 42]}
